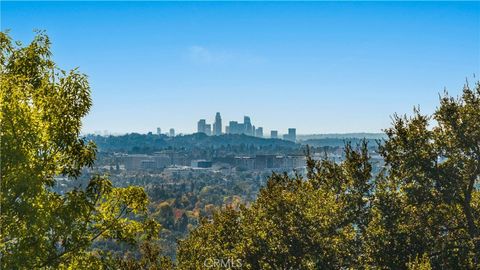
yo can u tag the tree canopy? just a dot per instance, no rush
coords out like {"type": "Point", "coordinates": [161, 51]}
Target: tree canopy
{"type": "Point", "coordinates": [40, 121]}
{"type": "Point", "coordinates": [422, 211]}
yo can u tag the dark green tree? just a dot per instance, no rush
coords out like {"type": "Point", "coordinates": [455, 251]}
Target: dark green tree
{"type": "Point", "coordinates": [422, 211]}
{"type": "Point", "coordinates": [312, 223]}
{"type": "Point", "coordinates": [428, 201]}
{"type": "Point", "coordinates": [40, 121]}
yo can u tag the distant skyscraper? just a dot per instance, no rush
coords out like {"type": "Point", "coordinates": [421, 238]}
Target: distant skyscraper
{"type": "Point", "coordinates": [291, 136]}
{"type": "Point", "coordinates": [217, 126]}
{"type": "Point", "coordinates": [247, 124]}
{"type": "Point", "coordinates": [208, 129]}
{"type": "Point", "coordinates": [273, 134]}
{"type": "Point", "coordinates": [292, 133]}
{"type": "Point", "coordinates": [234, 128]}
{"type": "Point", "coordinates": [172, 132]}
{"type": "Point", "coordinates": [259, 132]}
{"type": "Point", "coordinates": [159, 131]}
{"type": "Point", "coordinates": [246, 128]}
{"type": "Point", "coordinates": [201, 126]}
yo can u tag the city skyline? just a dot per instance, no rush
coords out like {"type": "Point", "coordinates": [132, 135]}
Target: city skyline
{"type": "Point", "coordinates": [216, 129]}
{"type": "Point", "coordinates": [234, 127]}
{"type": "Point", "coordinates": [320, 67]}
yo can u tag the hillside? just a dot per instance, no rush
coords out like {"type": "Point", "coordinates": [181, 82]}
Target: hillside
{"type": "Point", "coordinates": [135, 141]}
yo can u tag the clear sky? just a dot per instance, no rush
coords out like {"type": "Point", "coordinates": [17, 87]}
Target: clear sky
{"type": "Point", "coordinates": [320, 67]}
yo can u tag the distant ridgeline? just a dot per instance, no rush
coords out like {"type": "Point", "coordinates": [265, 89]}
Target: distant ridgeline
{"type": "Point", "coordinates": [339, 139]}
{"type": "Point", "coordinates": [135, 142]}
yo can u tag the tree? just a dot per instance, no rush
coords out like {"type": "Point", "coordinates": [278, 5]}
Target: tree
{"type": "Point", "coordinates": [150, 258]}
{"type": "Point", "coordinates": [165, 215]}
{"type": "Point", "coordinates": [217, 239]}
{"type": "Point", "coordinates": [312, 223]}
{"type": "Point", "coordinates": [427, 204]}
{"type": "Point", "coordinates": [422, 211]}
{"type": "Point", "coordinates": [40, 121]}
{"type": "Point", "coordinates": [182, 223]}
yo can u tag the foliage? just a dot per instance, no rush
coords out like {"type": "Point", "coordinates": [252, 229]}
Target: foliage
{"type": "Point", "coordinates": [420, 263]}
{"type": "Point", "coordinates": [307, 224]}
{"type": "Point", "coordinates": [150, 258]}
{"type": "Point", "coordinates": [422, 211]}
{"type": "Point", "coordinates": [428, 201]}
{"type": "Point", "coordinates": [40, 120]}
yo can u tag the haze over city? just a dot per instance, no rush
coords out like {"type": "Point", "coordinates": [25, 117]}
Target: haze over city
{"type": "Point", "coordinates": [319, 67]}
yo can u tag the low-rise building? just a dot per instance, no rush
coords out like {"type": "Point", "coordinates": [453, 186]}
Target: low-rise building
{"type": "Point", "coordinates": [201, 163]}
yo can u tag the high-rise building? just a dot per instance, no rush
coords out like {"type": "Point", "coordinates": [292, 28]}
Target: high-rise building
{"type": "Point", "coordinates": [259, 132]}
{"type": "Point", "coordinates": [159, 131]}
{"type": "Point", "coordinates": [217, 126]}
{"type": "Point", "coordinates": [208, 129]}
{"type": "Point", "coordinates": [273, 134]}
{"type": "Point", "coordinates": [201, 126]}
{"type": "Point", "coordinates": [291, 136]}
{"type": "Point", "coordinates": [172, 132]}
{"type": "Point", "coordinates": [247, 124]}
{"type": "Point", "coordinates": [244, 128]}
{"type": "Point", "coordinates": [235, 128]}
{"type": "Point", "coordinates": [292, 133]}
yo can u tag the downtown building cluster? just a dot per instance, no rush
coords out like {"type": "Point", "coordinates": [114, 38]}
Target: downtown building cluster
{"type": "Point", "coordinates": [235, 127]}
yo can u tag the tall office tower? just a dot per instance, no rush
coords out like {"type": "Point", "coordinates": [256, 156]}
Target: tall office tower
{"type": "Point", "coordinates": [201, 126]}
{"type": "Point", "coordinates": [233, 127]}
{"type": "Point", "coordinates": [227, 130]}
{"type": "Point", "coordinates": [259, 132]}
{"type": "Point", "coordinates": [159, 131]}
{"type": "Point", "coordinates": [247, 126]}
{"type": "Point", "coordinates": [208, 129]}
{"type": "Point", "coordinates": [292, 134]}
{"type": "Point", "coordinates": [217, 126]}
{"type": "Point", "coordinates": [172, 132]}
{"type": "Point", "coordinates": [273, 134]}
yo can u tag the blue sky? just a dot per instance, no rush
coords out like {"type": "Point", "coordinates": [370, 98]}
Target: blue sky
{"type": "Point", "coordinates": [321, 67]}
